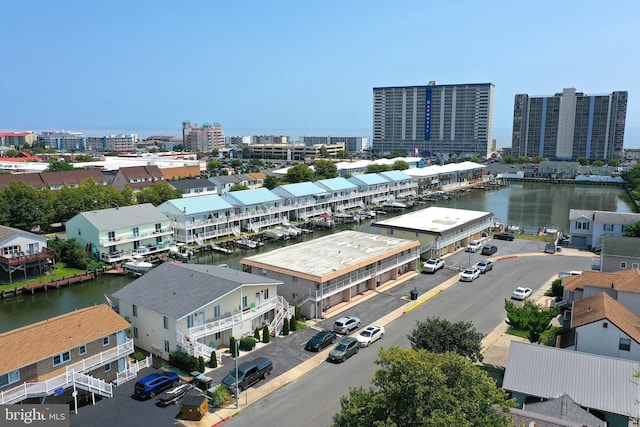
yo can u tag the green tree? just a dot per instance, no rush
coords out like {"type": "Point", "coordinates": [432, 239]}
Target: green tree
{"type": "Point", "coordinates": [325, 169]}
{"type": "Point", "coordinates": [632, 230]}
{"type": "Point", "coordinates": [201, 364]}
{"type": "Point", "coordinates": [233, 347]}
{"type": "Point", "coordinates": [266, 334]}
{"type": "Point", "coordinates": [214, 165]}
{"type": "Point", "coordinates": [271, 182]}
{"type": "Point", "coordinates": [81, 158]}
{"type": "Point", "coordinates": [537, 159]}
{"type": "Point", "coordinates": [440, 336]}
{"type": "Point", "coordinates": [299, 173]}
{"type": "Point", "coordinates": [400, 165]}
{"type": "Point", "coordinates": [509, 160]}
{"type": "Point", "coordinates": [27, 207]}
{"type": "Point", "coordinates": [530, 317]}
{"type": "Point", "coordinates": [12, 152]}
{"type": "Point", "coordinates": [238, 187]}
{"type": "Point", "coordinates": [293, 324]}
{"type": "Point", "coordinates": [285, 327]}
{"type": "Point", "coordinates": [475, 159]}
{"type": "Point", "coordinates": [55, 166]}
{"type": "Point", "coordinates": [418, 388]}
{"type": "Point", "coordinates": [583, 161]}
{"type": "Point", "coordinates": [523, 159]}
{"type": "Point", "coordinates": [324, 153]}
{"type": "Point", "coordinates": [158, 193]}
{"type": "Point", "coordinates": [598, 163]}
{"type": "Point", "coordinates": [614, 163]}
{"type": "Point", "coordinates": [377, 168]}
{"type": "Point", "coordinates": [213, 360]}
{"type": "Point", "coordinates": [343, 154]}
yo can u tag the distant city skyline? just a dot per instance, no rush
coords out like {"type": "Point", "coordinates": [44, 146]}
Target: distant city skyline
{"type": "Point", "coordinates": [297, 68]}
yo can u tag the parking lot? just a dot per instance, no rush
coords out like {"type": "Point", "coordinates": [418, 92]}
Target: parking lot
{"type": "Point", "coordinates": [288, 352]}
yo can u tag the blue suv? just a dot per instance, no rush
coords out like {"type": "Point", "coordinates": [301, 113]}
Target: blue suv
{"type": "Point", "coordinates": [155, 383]}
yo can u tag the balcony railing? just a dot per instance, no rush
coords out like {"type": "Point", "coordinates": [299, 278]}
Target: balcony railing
{"type": "Point", "coordinates": [26, 258]}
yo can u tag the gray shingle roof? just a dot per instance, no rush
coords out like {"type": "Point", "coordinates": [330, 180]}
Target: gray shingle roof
{"type": "Point", "coordinates": [566, 409]}
{"type": "Point", "coordinates": [176, 290]}
{"type": "Point", "coordinates": [592, 381]}
{"type": "Point", "coordinates": [621, 246]}
{"type": "Point", "coordinates": [125, 216]}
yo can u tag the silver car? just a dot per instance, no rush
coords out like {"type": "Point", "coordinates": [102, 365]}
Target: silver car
{"type": "Point", "coordinates": [484, 266]}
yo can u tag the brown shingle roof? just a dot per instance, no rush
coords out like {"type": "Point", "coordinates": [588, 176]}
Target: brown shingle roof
{"type": "Point", "coordinates": [600, 307]}
{"type": "Point", "coordinates": [31, 179]}
{"type": "Point", "coordinates": [72, 177]}
{"type": "Point", "coordinates": [31, 343]}
{"type": "Point", "coordinates": [624, 280]}
{"type": "Point", "coordinates": [142, 172]}
{"type": "Point", "coordinates": [181, 172]}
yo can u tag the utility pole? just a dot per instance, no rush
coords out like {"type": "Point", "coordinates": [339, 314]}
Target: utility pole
{"type": "Point", "coordinates": [237, 380]}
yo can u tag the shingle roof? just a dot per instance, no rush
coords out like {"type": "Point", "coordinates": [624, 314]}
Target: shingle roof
{"type": "Point", "coordinates": [622, 218]}
{"type": "Point", "coordinates": [8, 232]}
{"type": "Point", "coordinates": [602, 307]}
{"type": "Point", "coordinates": [31, 179]}
{"type": "Point", "coordinates": [72, 177]}
{"type": "Point", "coordinates": [175, 290]}
{"type": "Point", "coordinates": [621, 246]}
{"type": "Point", "coordinates": [140, 172]}
{"type": "Point", "coordinates": [592, 381]}
{"type": "Point", "coordinates": [192, 183]}
{"type": "Point", "coordinates": [125, 216]}
{"type": "Point", "coordinates": [26, 345]}
{"type": "Point", "coordinates": [580, 213]}
{"type": "Point", "coordinates": [562, 409]}
{"type": "Point", "coordinates": [623, 280]}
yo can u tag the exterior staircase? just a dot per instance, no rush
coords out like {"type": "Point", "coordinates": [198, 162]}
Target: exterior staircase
{"type": "Point", "coordinates": [283, 310]}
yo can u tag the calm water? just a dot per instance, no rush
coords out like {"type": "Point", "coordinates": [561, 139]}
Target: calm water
{"type": "Point", "coordinates": [528, 205]}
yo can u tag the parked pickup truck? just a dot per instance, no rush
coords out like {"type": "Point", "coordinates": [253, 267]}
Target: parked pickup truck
{"type": "Point", "coordinates": [249, 373]}
{"type": "Point", "coordinates": [432, 265]}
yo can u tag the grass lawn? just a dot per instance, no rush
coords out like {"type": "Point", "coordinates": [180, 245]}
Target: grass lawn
{"type": "Point", "coordinates": [543, 337]}
{"type": "Point", "coordinates": [547, 239]}
{"type": "Point", "coordinates": [59, 272]}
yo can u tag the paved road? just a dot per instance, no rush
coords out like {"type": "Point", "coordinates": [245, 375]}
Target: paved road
{"type": "Point", "coordinates": [312, 399]}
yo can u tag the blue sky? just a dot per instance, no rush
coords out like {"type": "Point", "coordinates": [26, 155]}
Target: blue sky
{"type": "Point", "coordinates": [297, 67]}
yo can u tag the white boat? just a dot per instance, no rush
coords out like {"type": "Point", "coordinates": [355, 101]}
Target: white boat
{"type": "Point", "coordinates": [551, 230]}
{"type": "Point", "coordinates": [323, 221]}
{"type": "Point", "coordinates": [393, 206]}
{"type": "Point", "coordinates": [293, 230]}
{"type": "Point", "coordinates": [513, 228]}
{"type": "Point", "coordinates": [217, 248]}
{"type": "Point", "coordinates": [137, 265]}
{"type": "Point", "coordinates": [274, 234]}
{"type": "Point", "coordinates": [247, 243]}
{"type": "Point", "coordinates": [180, 251]}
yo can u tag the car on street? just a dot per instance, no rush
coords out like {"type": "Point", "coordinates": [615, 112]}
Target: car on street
{"type": "Point", "coordinates": [489, 249]}
{"type": "Point", "coordinates": [344, 350]}
{"type": "Point", "coordinates": [521, 293]}
{"type": "Point", "coordinates": [155, 383]}
{"type": "Point", "coordinates": [484, 266]}
{"type": "Point", "coordinates": [432, 265]}
{"type": "Point", "coordinates": [248, 373]}
{"type": "Point", "coordinates": [370, 335]}
{"type": "Point", "coordinates": [470, 274]}
{"type": "Point", "coordinates": [320, 341]}
{"type": "Point", "coordinates": [174, 394]}
{"type": "Point", "coordinates": [346, 324]}
{"type": "Point", "coordinates": [473, 246]}
{"type": "Point", "coordinates": [504, 236]}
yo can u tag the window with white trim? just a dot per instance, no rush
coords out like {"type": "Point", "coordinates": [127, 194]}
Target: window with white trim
{"type": "Point", "coordinates": [82, 350]}
{"type": "Point", "coordinates": [10, 378]}
{"type": "Point", "coordinates": [106, 341]}
{"type": "Point", "coordinates": [582, 225]}
{"type": "Point", "coordinates": [623, 264]}
{"type": "Point", "coordinates": [608, 227]}
{"type": "Point", "coordinates": [216, 311]}
{"type": "Point", "coordinates": [61, 358]}
{"type": "Point", "coordinates": [107, 367]}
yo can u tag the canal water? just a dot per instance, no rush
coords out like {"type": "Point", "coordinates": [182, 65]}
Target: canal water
{"type": "Point", "coordinates": [528, 205]}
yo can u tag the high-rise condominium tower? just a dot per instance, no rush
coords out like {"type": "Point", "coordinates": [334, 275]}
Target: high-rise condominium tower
{"type": "Point", "coordinates": [569, 125]}
{"type": "Point", "coordinates": [433, 119]}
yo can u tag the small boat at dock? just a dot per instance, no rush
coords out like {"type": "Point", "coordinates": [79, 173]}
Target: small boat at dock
{"type": "Point", "coordinates": [137, 265]}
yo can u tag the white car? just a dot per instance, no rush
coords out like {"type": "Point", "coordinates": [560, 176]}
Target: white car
{"type": "Point", "coordinates": [473, 246]}
{"type": "Point", "coordinates": [521, 293]}
{"type": "Point", "coordinates": [370, 335]}
{"type": "Point", "coordinates": [470, 274]}
{"type": "Point", "coordinates": [432, 265]}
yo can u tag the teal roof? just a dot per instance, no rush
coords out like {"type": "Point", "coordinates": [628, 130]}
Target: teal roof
{"type": "Point", "coordinates": [251, 197]}
{"type": "Point", "coordinates": [395, 175]}
{"type": "Point", "coordinates": [300, 189]}
{"type": "Point", "coordinates": [336, 184]}
{"type": "Point", "coordinates": [195, 205]}
{"type": "Point", "coordinates": [370, 179]}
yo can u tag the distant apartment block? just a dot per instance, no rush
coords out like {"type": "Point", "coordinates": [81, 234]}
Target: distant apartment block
{"type": "Point", "coordinates": [237, 140]}
{"type": "Point", "coordinates": [269, 139]}
{"type": "Point", "coordinates": [204, 139]}
{"type": "Point", "coordinates": [63, 140]}
{"type": "Point", "coordinates": [17, 139]}
{"type": "Point", "coordinates": [352, 143]}
{"type": "Point", "coordinates": [434, 119]}
{"type": "Point", "coordinates": [291, 152]}
{"type": "Point", "coordinates": [569, 125]}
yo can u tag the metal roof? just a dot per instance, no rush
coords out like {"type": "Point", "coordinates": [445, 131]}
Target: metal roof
{"type": "Point", "coordinates": [435, 220]}
{"type": "Point", "coordinates": [592, 381]}
{"type": "Point", "coordinates": [195, 205]}
{"type": "Point", "coordinates": [337, 184]}
{"type": "Point", "coordinates": [123, 217]}
{"type": "Point", "coordinates": [300, 189]}
{"type": "Point", "coordinates": [251, 197]}
{"type": "Point", "coordinates": [176, 290]}
{"type": "Point", "coordinates": [369, 179]}
{"type": "Point", "coordinates": [395, 175]}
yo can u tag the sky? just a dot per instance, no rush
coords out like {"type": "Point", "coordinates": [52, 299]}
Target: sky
{"type": "Point", "coordinates": [297, 67]}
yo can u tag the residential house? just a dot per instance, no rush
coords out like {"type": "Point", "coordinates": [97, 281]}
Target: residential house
{"type": "Point", "coordinates": [181, 172]}
{"type": "Point", "coordinates": [373, 188]}
{"type": "Point", "coordinates": [201, 218]}
{"type": "Point", "coordinates": [23, 255]}
{"type": "Point", "coordinates": [343, 194]}
{"type": "Point", "coordinates": [439, 230]}
{"type": "Point", "coordinates": [605, 386]}
{"type": "Point", "coordinates": [137, 177]}
{"type": "Point", "coordinates": [257, 208]}
{"type": "Point", "coordinates": [196, 308]}
{"type": "Point", "coordinates": [303, 200]}
{"type": "Point", "coordinates": [84, 349]}
{"type": "Point", "coordinates": [558, 412]}
{"type": "Point", "coordinates": [117, 234]}
{"type": "Point", "coordinates": [54, 180]}
{"type": "Point", "coordinates": [194, 187]}
{"type": "Point", "coordinates": [224, 183]}
{"type": "Point", "coordinates": [601, 325]}
{"type": "Point", "coordinates": [619, 253]}
{"type": "Point", "coordinates": [255, 180]}
{"type": "Point", "coordinates": [333, 269]}
{"type": "Point", "coordinates": [587, 227]}
{"type": "Point", "coordinates": [401, 185]}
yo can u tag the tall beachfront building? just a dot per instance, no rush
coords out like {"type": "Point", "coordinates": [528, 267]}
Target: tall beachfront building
{"type": "Point", "coordinates": [569, 125]}
{"type": "Point", "coordinates": [438, 119]}
{"type": "Point", "coordinates": [204, 139]}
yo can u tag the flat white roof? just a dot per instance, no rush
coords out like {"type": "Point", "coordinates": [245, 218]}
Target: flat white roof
{"type": "Point", "coordinates": [433, 220]}
{"type": "Point", "coordinates": [331, 253]}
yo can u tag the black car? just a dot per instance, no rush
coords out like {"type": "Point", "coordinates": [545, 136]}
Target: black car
{"type": "Point", "coordinates": [489, 249]}
{"type": "Point", "coordinates": [320, 341]}
{"type": "Point", "coordinates": [504, 236]}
